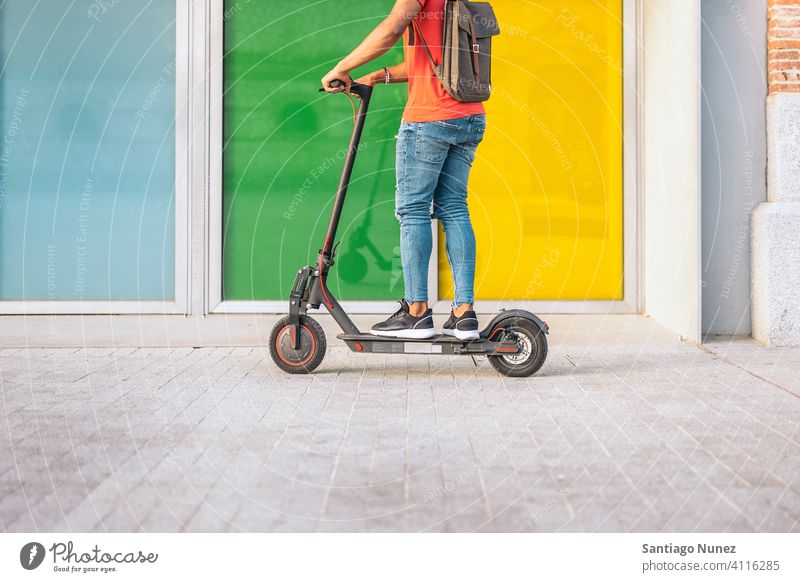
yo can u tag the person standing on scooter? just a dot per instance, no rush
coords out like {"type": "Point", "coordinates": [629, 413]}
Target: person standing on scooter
{"type": "Point", "coordinates": [436, 146]}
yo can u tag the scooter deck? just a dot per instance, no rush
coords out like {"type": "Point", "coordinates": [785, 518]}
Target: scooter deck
{"type": "Point", "coordinates": [438, 344]}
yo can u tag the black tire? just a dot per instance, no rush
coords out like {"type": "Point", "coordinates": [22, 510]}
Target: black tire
{"type": "Point", "coordinates": [533, 340]}
{"type": "Point", "coordinates": [312, 346]}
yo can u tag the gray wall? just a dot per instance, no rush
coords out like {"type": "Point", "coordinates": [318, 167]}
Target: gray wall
{"type": "Point", "coordinates": [734, 69]}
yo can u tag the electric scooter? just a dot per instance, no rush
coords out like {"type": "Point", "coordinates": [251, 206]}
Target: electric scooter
{"type": "Point", "coordinates": [515, 341]}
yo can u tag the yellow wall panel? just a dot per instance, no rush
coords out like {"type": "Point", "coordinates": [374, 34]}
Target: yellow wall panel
{"type": "Point", "coordinates": [546, 193]}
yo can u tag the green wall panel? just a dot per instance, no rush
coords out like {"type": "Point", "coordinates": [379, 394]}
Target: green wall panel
{"type": "Point", "coordinates": [284, 145]}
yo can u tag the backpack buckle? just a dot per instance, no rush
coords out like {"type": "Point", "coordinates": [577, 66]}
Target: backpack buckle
{"type": "Point", "coordinates": [476, 48]}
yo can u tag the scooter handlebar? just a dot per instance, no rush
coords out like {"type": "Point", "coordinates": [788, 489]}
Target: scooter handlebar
{"type": "Point", "coordinates": [335, 84]}
{"type": "Point", "coordinates": [357, 88]}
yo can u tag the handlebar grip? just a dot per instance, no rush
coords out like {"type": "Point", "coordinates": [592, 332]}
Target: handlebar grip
{"type": "Point", "coordinates": [335, 84]}
{"type": "Point", "coordinates": [357, 89]}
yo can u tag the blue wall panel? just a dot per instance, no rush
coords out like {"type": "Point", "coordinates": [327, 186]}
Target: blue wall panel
{"type": "Point", "coordinates": [87, 160]}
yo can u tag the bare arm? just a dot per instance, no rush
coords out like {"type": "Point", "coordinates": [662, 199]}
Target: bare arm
{"type": "Point", "coordinates": [377, 43]}
{"type": "Point", "coordinates": [397, 74]}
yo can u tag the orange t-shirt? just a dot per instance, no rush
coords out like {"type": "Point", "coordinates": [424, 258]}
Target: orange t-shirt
{"type": "Point", "coordinates": [427, 99]}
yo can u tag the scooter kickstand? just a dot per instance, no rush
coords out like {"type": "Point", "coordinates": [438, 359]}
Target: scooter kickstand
{"type": "Point", "coordinates": [474, 361]}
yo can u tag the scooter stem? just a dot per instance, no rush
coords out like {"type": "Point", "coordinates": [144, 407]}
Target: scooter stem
{"type": "Point", "coordinates": [364, 93]}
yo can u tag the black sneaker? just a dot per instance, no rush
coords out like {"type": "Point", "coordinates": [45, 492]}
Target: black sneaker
{"type": "Point", "coordinates": [404, 325]}
{"type": "Point", "coordinates": [464, 327]}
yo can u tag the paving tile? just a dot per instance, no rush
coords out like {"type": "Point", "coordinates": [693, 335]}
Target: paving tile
{"type": "Point", "coordinates": [632, 433]}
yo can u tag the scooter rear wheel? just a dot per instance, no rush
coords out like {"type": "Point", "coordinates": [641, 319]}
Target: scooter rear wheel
{"type": "Point", "coordinates": [308, 356]}
{"type": "Point", "coordinates": [533, 349]}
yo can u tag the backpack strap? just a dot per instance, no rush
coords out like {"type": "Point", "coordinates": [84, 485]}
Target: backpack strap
{"type": "Point", "coordinates": [474, 49]}
{"type": "Point", "coordinates": [414, 26]}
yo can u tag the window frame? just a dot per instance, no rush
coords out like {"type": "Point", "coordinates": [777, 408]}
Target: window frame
{"type": "Point", "coordinates": [632, 289]}
{"type": "Point", "coordinates": [179, 305]}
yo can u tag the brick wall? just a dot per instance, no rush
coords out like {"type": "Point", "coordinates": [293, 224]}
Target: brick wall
{"type": "Point", "coordinates": [784, 46]}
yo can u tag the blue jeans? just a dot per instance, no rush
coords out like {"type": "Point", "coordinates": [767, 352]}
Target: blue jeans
{"type": "Point", "coordinates": [434, 159]}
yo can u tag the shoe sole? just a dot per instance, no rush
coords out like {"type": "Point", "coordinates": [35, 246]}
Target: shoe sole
{"type": "Point", "coordinates": [406, 334]}
{"type": "Point", "coordinates": [462, 335]}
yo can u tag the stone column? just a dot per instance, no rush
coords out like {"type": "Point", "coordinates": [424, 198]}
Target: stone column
{"type": "Point", "coordinates": [776, 223]}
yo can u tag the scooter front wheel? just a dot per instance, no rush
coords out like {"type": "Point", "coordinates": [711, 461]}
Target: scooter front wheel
{"type": "Point", "coordinates": [308, 356]}
{"type": "Point", "coordinates": [532, 344]}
